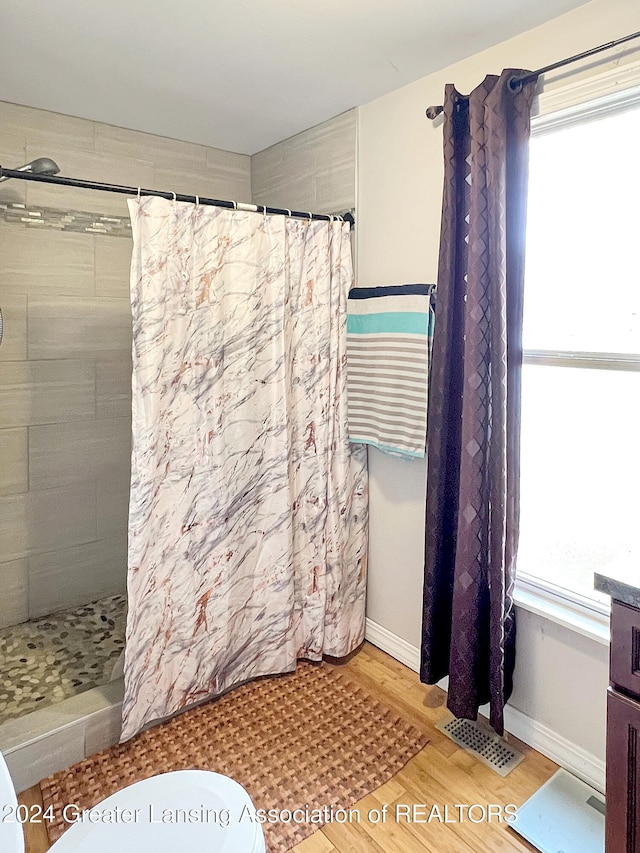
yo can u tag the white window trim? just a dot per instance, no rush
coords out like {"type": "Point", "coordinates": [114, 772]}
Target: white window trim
{"type": "Point", "coordinates": [568, 101]}
{"type": "Point", "coordinates": [585, 616]}
{"type": "Point", "coordinates": [559, 108]}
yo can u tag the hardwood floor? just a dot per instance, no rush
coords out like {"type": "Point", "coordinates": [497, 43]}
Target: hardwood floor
{"type": "Point", "coordinates": [442, 780]}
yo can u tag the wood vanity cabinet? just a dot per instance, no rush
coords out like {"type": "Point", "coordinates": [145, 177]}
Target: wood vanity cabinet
{"type": "Point", "coordinates": [623, 732]}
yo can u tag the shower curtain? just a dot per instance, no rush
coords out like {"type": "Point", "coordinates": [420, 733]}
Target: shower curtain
{"type": "Point", "coordinates": [248, 508]}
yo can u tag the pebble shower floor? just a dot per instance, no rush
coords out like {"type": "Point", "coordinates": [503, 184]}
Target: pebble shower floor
{"type": "Point", "coordinates": [51, 658]}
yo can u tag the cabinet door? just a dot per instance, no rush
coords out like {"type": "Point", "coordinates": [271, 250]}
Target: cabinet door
{"type": "Point", "coordinates": [625, 647]}
{"type": "Point", "coordinates": [623, 774]}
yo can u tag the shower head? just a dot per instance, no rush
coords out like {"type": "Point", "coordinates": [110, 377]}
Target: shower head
{"type": "Point", "coordinates": [41, 166]}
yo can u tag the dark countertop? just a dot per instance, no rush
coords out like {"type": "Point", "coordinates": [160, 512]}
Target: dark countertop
{"type": "Point", "coordinates": [620, 580]}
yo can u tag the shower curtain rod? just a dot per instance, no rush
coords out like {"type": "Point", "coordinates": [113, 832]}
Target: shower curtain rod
{"type": "Point", "coordinates": [135, 191]}
{"type": "Point", "coordinates": [434, 112]}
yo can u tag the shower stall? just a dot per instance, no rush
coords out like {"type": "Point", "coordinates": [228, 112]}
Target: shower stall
{"type": "Point", "coordinates": [65, 402]}
{"type": "Point", "coordinates": [65, 367]}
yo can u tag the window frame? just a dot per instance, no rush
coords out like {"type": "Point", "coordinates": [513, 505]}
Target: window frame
{"type": "Point", "coordinates": [589, 99]}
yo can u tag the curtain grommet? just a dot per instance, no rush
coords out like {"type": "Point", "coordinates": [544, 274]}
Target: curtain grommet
{"type": "Point", "coordinates": [515, 85]}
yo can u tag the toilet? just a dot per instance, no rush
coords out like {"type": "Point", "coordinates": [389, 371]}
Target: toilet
{"type": "Point", "coordinates": [194, 810]}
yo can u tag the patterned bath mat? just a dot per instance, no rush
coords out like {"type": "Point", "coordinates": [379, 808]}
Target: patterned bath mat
{"type": "Point", "coordinates": [310, 739]}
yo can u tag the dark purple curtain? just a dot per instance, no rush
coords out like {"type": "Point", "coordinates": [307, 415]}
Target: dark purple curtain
{"type": "Point", "coordinates": [468, 630]}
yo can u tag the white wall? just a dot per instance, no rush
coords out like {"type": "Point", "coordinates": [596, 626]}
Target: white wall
{"type": "Point", "coordinates": [559, 691]}
{"type": "Point", "coordinates": [561, 677]}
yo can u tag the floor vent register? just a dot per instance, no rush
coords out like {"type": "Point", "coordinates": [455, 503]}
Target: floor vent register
{"type": "Point", "coordinates": [483, 742]}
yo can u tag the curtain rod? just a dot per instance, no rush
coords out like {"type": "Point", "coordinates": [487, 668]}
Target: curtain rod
{"type": "Point", "coordinates": [517, 82]}
{"type": "Point", "coordinates": [135, 191]}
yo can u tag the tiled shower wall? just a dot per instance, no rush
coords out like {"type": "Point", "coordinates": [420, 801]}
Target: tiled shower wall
{"type": "Point", "coordinates": [314, 170]}
{"type": "Point", "coordinates": [65, 361]}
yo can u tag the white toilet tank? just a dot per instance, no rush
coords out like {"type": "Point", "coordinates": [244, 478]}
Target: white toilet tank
{"type": "Point", "coordinates": [11, 835]}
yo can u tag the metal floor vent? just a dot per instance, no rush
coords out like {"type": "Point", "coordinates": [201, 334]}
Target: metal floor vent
{"type": "Point", "coordinates": [483, 742]}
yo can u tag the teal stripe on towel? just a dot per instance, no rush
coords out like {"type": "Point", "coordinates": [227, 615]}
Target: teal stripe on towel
{"type": "Point", "coordinates": [393, 451]}
{"type": "Point", "coordinates": [411, 323]}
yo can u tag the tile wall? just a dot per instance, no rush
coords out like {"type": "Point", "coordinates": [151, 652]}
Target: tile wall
{"type": "Point", "coordinates": [65, 360]}
{"type": "Point", "coordinates": [314, 170]}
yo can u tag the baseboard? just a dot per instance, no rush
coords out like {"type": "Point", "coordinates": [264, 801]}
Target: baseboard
{"type": "Point", "coordinates": [393, 645]}
{"type": "Point", "coordinates": [572, 757]}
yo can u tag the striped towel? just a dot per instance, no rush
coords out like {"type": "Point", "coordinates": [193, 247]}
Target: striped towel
{"type": "Point", "coordinates": [389, 334]}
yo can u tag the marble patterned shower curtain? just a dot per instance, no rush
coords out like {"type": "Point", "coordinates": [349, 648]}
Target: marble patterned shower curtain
{"type": "Point", "coordinates": [248, 510]}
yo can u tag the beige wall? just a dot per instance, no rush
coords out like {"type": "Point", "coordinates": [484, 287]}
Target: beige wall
{"type": "Point", "coordinates": [561, 677]}
{"type": "Point", "coordinates": [312, 171]}
{"type": "Point", "coordinates": [66, 358]}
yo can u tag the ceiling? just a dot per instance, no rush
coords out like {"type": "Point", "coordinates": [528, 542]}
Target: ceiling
{"type": "Point", "coordinates": [238, 75]}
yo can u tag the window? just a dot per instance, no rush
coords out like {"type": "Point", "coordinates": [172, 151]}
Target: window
{"type": "Point", "coordinates": [580, 474]}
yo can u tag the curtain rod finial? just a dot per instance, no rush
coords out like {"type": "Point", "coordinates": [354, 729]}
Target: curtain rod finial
{"type": "Point", "coordinates": [434, 112]}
